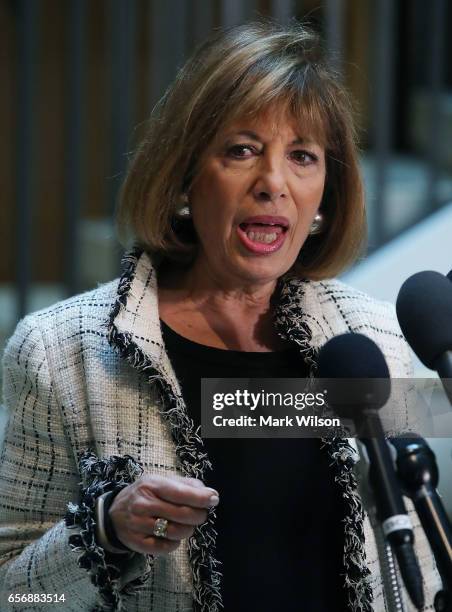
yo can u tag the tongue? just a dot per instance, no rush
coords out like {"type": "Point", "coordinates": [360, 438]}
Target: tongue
{"type": "Point", "coordinates": [263, 229]}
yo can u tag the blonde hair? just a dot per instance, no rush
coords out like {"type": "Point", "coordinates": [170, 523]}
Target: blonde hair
{"type": "Point", "coordinates": [242, 71]}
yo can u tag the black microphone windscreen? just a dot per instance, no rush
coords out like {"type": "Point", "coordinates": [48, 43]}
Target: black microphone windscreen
{"type": "Point", "coordinates": [355, 375]}
{"type": "Point", "coordinates": [449, 276]}
{"type": "Point", "coordinates": [424, 310]}
{"type": "Point", "coordinates": [414, 455]}
{"type": "Point", "coordinates": [351, 356]}
{"type": "Point", "coordinates": [404, 441]}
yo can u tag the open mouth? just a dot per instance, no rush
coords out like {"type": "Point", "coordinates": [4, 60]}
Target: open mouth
{"type": "Point", "coordinates": [262, 232]}
{"type": "Point", "coordinates": [261, 238]}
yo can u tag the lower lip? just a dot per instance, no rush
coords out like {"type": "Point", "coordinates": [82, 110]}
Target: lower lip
{"type": "Point", "coordinates": [261, 248]}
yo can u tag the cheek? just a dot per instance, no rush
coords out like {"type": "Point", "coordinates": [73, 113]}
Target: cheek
{"type": "Point", "coordinates": [216, 178]}
{"type": "Point", "coordinates": [215, 209]}
{"type": "Point", "coordinates": [314, 188]}
{"type": "Point", "coordinates": [308, 205]}
{"type": "Point", "coordinates": [211, 225]}
{"type": "Point", "coordinates": [216, 192]}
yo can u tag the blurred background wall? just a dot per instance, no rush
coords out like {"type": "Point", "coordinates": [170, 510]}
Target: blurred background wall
{"type": "Point", "coordinates": [81, 76]}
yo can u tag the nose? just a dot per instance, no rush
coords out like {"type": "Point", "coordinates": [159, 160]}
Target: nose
{"type": "Point", "coordinates": [270, 184]}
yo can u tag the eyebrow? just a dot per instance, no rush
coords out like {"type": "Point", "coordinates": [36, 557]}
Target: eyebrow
{"type": "Point", "coordinates": [256, 137]}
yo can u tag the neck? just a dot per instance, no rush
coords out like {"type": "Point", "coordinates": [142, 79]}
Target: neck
{"type": "Point", "coordinates": [205, 290]}
{"type": "Point", "coordinates": [239, 315]}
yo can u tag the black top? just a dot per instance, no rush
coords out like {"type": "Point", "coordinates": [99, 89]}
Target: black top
{"type": "Point", "coordinates": [280, 539]}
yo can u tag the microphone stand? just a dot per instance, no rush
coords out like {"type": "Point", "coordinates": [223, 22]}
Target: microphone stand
{"type": "Point", "coordinates": [391, 509]}
{"type": "Point", "coordinates": [418, 472]}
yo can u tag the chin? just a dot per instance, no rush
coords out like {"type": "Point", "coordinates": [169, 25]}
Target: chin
{"type": "Point", "coordinates": [264, 271]}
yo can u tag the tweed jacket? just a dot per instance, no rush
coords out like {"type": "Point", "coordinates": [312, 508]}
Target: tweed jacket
{"type": "Point", "coordinates": [93, 401]}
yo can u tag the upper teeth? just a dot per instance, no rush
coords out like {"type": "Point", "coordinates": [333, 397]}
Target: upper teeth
{"type": "Point", "coordinates": [261, 237]}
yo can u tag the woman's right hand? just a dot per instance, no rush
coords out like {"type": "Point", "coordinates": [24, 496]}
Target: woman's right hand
{"type": "Point", "coordinates": [182, 501]}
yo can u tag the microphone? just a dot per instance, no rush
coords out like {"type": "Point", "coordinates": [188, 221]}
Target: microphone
{"type": "Point", "coordinates": [424, 311]}
{"type": "Point", "coordinates": [418, 473]}
{"type": "Point", "coordinates": [355, 356]}
{"type": "Point", "coordinates": [449, 276]}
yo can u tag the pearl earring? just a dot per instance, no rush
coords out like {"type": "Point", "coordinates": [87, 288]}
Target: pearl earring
{"type": "Point", "coordinates": [317, 225]}
{"type": "Point", "coordinates": [184, 212]}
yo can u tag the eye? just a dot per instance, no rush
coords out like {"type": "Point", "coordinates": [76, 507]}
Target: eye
{"type": "Point", "coordinates": [241, 151]}
{"type": "Point", "coordinates": [304, 158]}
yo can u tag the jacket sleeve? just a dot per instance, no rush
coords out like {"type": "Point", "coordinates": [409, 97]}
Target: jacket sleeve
{"type": "Point", "coordinates": [39, 481]}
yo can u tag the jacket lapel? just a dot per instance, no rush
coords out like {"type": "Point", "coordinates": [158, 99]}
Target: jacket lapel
{"type": "Point", "coordinates": [134, 318]}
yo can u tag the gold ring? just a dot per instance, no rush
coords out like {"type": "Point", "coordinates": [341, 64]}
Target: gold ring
{"type": "Point", "coordinates": [160, 528]}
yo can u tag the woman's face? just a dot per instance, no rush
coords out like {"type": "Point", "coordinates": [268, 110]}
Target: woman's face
{"type": "Point", "coordinates": [254, 198]}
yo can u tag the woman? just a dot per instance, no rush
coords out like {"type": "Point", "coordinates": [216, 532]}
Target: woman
{"type": "Point", "coordinates": [243, 198]}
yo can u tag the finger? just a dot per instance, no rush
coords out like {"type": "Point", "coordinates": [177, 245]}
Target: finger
{"type": "Point", "coordinates": [194, 482]}
{"type": "Point", "coordinates": [151, 545]}
{"type": "Point", "coordinates": [186, 515]}
{"type": "Point", "coordinates": [178, 492]}
{"type": "Point", "coordinates": [174, 531]}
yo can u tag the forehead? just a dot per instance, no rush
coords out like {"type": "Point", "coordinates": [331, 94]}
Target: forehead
{"type": "Point", "coordinates": [275, 121]}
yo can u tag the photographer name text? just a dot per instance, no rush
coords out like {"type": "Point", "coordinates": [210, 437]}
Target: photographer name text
{"type": "Point", "coordinates": [271, 421]}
